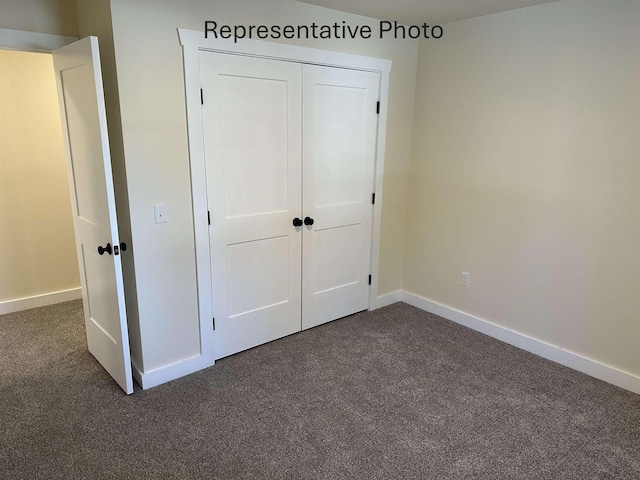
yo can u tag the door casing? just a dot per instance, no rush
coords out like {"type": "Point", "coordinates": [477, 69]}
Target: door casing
{"type": "Point", "coordinates": [47, 43]}
{"type": "Point", "coordinates": [192, 42]}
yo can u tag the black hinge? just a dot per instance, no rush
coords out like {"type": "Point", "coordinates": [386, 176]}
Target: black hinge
{"type": "Point", "coordinates": [373, 199]}
{"type": "Point", "coordinates": [209, 217]}
{"type": "Point", "coordinates": [369, 279]}
{"type": "Point", "coordinates": [202, 97]}
{"type": "Point", "coordinates": [378, 108]}
{"type": "Point", "coordinates": [214, 323]}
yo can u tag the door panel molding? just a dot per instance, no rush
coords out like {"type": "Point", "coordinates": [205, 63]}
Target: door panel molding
{"type": "Point", "coordinates": [193, 42]}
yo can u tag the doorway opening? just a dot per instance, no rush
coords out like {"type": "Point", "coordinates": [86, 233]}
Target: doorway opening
{"type": "Point", "coordinates": [83, 130]}
{"type": "Point", "coordinates": [38, 262]}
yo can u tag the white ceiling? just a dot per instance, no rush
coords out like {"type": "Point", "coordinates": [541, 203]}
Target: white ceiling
{"type": "Point", "coordinates": [411, 12]}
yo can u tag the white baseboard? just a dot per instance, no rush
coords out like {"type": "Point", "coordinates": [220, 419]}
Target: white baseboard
{"type": "Point", "coordinates": [386, 299]}
{"type": "Point", "coordinates": [556, 354]}
{"type": "Point", "coordinates": [20, 304]}
{"type": "Point", "coordinates": [165, 374]}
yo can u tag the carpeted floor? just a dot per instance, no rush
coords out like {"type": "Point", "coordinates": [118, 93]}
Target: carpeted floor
{"type": "Point", "coordinates": [391, 394]}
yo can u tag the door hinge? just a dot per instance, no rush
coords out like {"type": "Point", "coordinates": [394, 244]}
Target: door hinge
{"type": "Point", "coordinates": [201, 97]}
{"type": "Point", "coordinates": [373, 199]}
{"type": "Point", "coordinates": [378, 108]}
{"type": "Point", "coordinates": [369, 279]}
{"type": "Point", "coordinates": [214, 322]}
{"type": "Point", "coordinates": [209, 217]}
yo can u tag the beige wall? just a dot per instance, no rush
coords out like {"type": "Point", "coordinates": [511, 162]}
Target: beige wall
{"type": "Point", "coordinates": [37, 246]}
{"type": "Point", "coordinates": [152, 98]}
{"type": "Point", "coordinates": [42, 16]}
{"type": "Point", "coordinates": [526, 174]}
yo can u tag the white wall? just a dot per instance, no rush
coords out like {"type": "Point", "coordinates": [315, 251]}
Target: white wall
{"type": "Point", "coordinates": [37, 246]}
{"type": "Point", "coordinates": [152, 99]}
{"type": "Point", "coordinates": [526, 173]}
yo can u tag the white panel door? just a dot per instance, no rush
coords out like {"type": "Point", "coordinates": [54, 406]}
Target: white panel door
{"type": "Point", "coordinates": [251, 117]}
{"type": "Point", "coordinates": [84, 123]}
{"type": "Point", "coordinates": [339, 138]}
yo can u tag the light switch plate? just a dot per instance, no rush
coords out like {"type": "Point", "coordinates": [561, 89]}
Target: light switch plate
{"type": "Point", "coordinates": [160, 211]}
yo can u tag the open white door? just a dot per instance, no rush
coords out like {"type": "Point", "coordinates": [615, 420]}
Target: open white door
{"type": "Point", "coordinates": [84, 125]}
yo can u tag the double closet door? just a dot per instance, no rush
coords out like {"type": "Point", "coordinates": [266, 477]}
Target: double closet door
{"type": "Point", "coordinates": [290, 158]}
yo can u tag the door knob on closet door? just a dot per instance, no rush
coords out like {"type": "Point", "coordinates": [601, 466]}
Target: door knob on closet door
{"type": "Point", "coordinates": [308, 221]}
{"type": "Point", "coordinates": [297, 222]}
{"type": "Point", "coordinates": [107, 249]}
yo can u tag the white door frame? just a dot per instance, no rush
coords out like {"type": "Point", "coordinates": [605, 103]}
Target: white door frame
{"type": "Point", "coordinates": [192, 42]}
{"type": "Point", "coordinates": [32, 41]}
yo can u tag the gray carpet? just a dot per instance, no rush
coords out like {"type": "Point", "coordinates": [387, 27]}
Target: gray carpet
{"type": "Point", "coordinates": [391, 394]}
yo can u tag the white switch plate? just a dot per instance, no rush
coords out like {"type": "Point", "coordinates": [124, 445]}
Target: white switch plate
{"type": "Point", "coordinates": [464, 279]}
{"type": "Point", "coordinates": [160, 211]}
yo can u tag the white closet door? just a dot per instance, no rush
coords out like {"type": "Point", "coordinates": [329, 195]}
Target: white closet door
{"type": "Point", "coordinates": [251, 116]}
{"type": "Point", "coordinates": [339, 138]}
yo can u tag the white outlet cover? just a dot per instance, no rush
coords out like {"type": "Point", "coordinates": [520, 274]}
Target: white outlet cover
{"type": "Point", "coordinates": [464, 279]}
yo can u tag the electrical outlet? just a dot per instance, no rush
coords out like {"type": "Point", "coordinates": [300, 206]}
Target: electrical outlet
{"type": "Point", "coordinates": [464, 279]}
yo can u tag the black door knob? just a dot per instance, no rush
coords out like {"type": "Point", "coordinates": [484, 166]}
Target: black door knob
{"type": "Point", "coordinates": [297, 222]}
{"type": "Point", "coordinates": [308, 221]}
{"type": "Point", "coordinates": [107, 249]}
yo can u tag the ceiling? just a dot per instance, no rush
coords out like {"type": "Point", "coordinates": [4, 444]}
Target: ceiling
{"type": "Point", "coordinates": [411, 12]}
